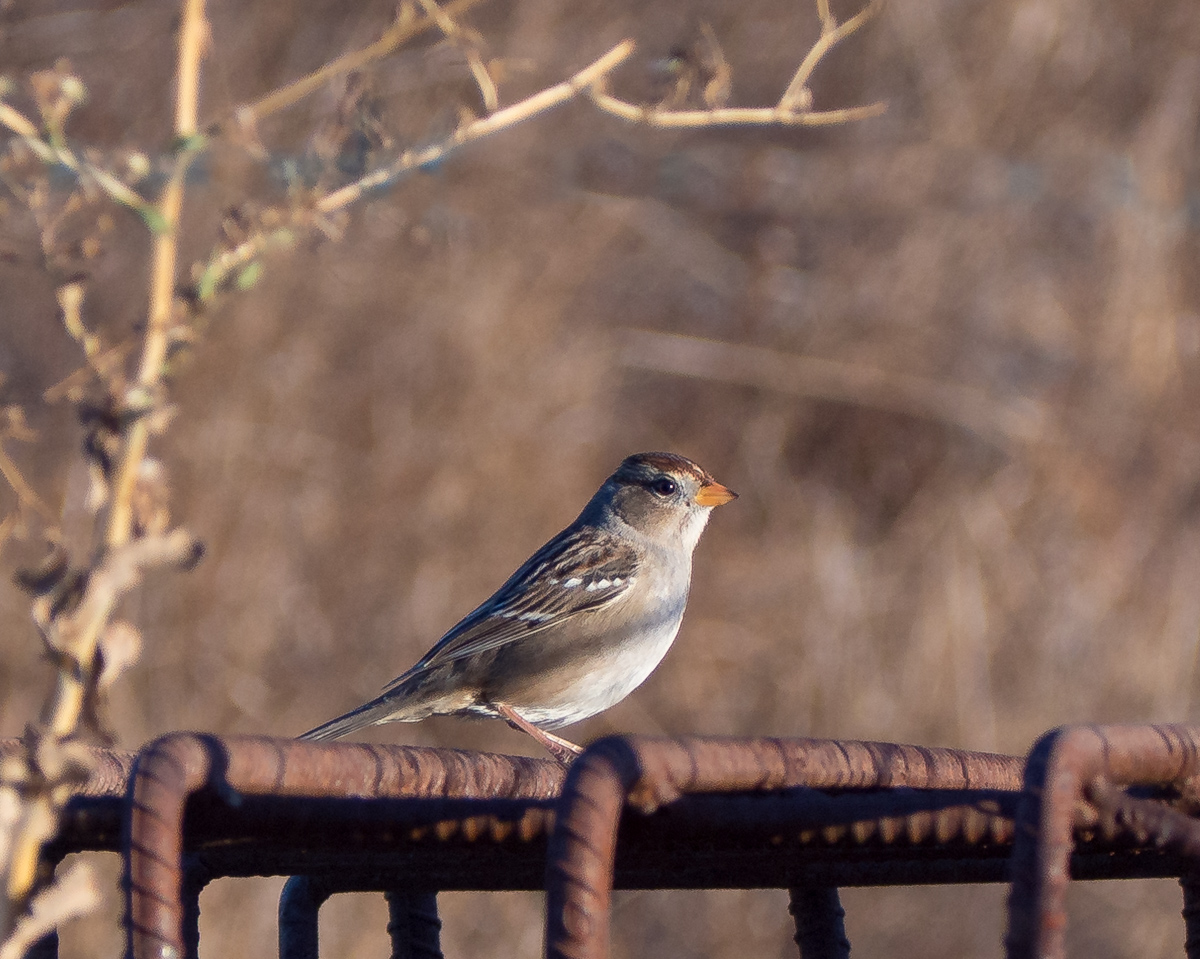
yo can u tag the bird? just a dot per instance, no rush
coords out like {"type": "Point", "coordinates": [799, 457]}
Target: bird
{"type": "Point", "coordinates": [575, 629]}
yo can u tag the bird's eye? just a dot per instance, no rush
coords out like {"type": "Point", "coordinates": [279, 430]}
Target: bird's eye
{"type": "Point", "coordinates": [664, 486]}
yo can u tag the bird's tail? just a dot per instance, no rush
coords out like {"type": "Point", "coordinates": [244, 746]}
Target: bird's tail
{"type": "Point", "coordinates": [392, 706]}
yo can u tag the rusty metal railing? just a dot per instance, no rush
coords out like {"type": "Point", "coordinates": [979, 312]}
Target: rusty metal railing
{"type": "Point", "coordinates": [186, 766]}
{"type": "Point", "coordinates": [1071, 791]}
{"type": "Point", "coordinates": [648, 774]}
{"type": "Point", "coordinates": [806, 815]}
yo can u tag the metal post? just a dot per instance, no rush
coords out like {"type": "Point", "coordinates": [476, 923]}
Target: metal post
{"type": "Point", "coordinates": [299, 904]}
{"type": "Point", "coordinates": [820, 925]}
{"type": "Point", "coordinates": [1190, 881]}
{"type": "Point", "coordinates": [196, 876]}
{"type": "Point", "coordinates": [414, 925]}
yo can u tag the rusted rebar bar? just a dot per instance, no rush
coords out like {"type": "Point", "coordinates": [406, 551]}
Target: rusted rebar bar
{"type": "Point", "coordinates": [820, 922]}
{"type": "Point", "coordinates": [413, 924]}
{"type": "Point", "coordinates": [1148, 822]}
{"type": "Point", "coordinates": [1059, 770]}
{"type": "Point", "coordinates": [414, 927]}
{"type": "Point", "coordinates": [174, 768]}
{"type": "Point", "coordinates": [1190, 883]}
{"type": "Point", "coordinates": [299, 903]}
{"type": "Point", "coordinates": [648, 773]}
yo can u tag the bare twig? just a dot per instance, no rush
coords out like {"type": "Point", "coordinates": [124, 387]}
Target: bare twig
{"type": "Point", "coordinates": [74, 635]}
{"type": "Point", "coordinates": [230, 261]}
{"type": "Point", "coordinates": [832, 33]}
{"type": "Point", "coordinates": [399, 33]}
{"type": "Point", "coordinates": [794, 107]}
{"type": "Point", "coordinates": [26, 495]}
{"type": "Point", "coordinates": [192, 36]}
{"type": "Point", "coordinates": [470, 47]}
{"type": "Point", "coordinates": [592, 80]}
{"type": "Point", "coordinates": [72, 638]}
{"type": "Point", "coordinates": [478, 129]}
{"type": "Point", "coordinates": [828, 21]}
{"type": "Point", "coordinates": [59, 154]}
{"type": "Point", "coordinates": [1002, 422]}
{"type": "Point", "coordinates": [732, 116]}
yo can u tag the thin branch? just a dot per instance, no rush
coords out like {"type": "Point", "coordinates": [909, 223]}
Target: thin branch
{"type": "Point", "coordinates": [59, 155]}
{"type": "Point", "coordinates": [483, 79]}
{"type": "Point", "coordinates": [1001, 422]}
{"type": "Point", "coordinates": [73, 636]}
{"type": "Point", "coordinates": [830, 37]}
{"type": "Point", "coordinates": [192, 38]}
{"type": "Point", "coordinates": [828, 20]}
{"type": "Point", "coordinates": [731, 116]}
{"type": "Point", "coordinates": [399, 33]}
{"type": "Point", "coordinates": [229, 261]}
{"type": "Point", "coordinates": [793, 109]}
{"type": "Point", "coordinates": [22, 126]}
{"type": "Point", "coordinates": [73, 894]}
{"type": "Point", "coordinates": [26, 495]}
{"type": "Point", "coordinates": [478, 129]}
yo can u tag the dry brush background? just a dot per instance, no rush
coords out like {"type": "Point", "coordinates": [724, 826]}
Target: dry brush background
{"type": "Point", "coordinates": [1001, 536]}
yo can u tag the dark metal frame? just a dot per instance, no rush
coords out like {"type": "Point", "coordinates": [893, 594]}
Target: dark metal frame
{"type": "Point", "coordinates": [803, 814]}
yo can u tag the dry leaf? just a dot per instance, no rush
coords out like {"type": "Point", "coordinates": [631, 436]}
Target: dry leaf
{"type": "Point", "coordinates": [73, 893]}
{"type": "Point", "coordinates": [10, 807]}
{"type": "Point", "coordinates": [15, 426]}
{"type": "Point", "coordinates": [149, 505]}
{"type": "Point", "coordinates": [62, 761]}
{"type": "Point", "coordinates": [120, 647]}
{"type": "Point", "coordinates": [719, 77]}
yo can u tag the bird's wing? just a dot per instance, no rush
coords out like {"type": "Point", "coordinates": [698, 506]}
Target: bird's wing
{"type": "Point", "coordinates": [579, 570]}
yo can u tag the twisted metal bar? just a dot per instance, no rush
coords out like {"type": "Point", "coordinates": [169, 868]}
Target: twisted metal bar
{"type": "Point", "coordinates": [1150, 822]}
{"type": "Point", "coordinates": [1059, 770]}
{"type": "Point", "coordinates": [820, 922]}
{"type": "Point", "coordinates": [172, 769]}
{"type": "Point", "coordinates": [299, 903]}
{"type": "Point", "coordinates": [413, 923]}
{"type": "Point", "coordinates": [649, 773]}
{"type": "Point", "coordinates": [884, 817]}
{"type": "Point", "coordinates": [414, 926]}
{"type": "Point", "coordinates": [1191, 914]}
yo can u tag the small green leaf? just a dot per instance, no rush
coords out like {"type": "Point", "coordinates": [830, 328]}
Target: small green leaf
{"type": "Point", "coordinates": [190, 143]}
{"type": "Point", "coordinates": [153, 219]}
{"type": "Point", "coordinates": [206, 286]}
{"type": "Point", "coordinates": [249, 275]}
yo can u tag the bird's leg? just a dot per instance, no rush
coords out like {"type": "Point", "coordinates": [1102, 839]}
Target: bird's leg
{"type": "Point", "coordinates": [561, 749]}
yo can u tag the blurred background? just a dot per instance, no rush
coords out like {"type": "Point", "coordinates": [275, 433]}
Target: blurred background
{"type": "Point", "coordinates": [978, 520]}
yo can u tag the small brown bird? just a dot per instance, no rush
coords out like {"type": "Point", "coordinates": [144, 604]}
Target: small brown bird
{"type": "Point", "coordinates": [578, 627]}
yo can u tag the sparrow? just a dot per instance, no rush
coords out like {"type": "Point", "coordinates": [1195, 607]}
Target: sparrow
{"type": "Point", "coordinates": [579, 626]}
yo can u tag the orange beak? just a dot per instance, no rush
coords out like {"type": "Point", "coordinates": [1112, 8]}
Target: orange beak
{"type": "Point", "coordinates": [714, 494]}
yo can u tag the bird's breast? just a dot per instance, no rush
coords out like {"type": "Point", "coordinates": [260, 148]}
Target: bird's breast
{"type": "Point", "coordinates": [566, 675]}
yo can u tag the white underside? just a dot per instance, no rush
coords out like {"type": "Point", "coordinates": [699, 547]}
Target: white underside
{"type": "Point", "coordinates": [624, 669]}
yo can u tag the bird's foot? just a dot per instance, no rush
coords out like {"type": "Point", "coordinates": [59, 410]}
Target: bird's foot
{"type": "Point", "coordinates": [561, 749]}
